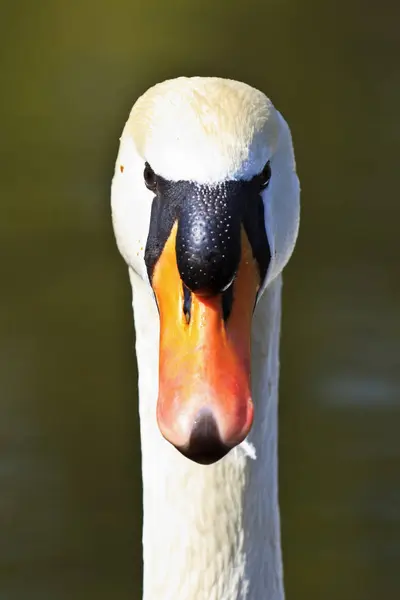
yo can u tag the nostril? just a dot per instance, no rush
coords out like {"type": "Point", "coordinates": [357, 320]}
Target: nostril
{"type": "Point", "coordinates": [205, 445]}
{"type": "Point", "coordinates": [227, 302]}
{"type": "Point", "coordinates": [187, 303]}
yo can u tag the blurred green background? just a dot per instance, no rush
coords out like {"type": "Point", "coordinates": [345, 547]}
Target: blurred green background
{"type": "Point", "coordinates": [70, 486]}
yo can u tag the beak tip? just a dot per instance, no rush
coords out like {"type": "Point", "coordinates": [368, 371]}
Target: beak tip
{"type": "Point", "coordinates": [204, 456]}
{"type": "Point", "coordinates": [204, 444]}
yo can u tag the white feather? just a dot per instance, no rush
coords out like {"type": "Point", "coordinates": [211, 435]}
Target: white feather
{"type": "Point", "coordinates": [210, 532]}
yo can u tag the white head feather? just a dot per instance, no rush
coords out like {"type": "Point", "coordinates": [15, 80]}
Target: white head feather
{"type": "Point", "coordinates": [205, 130]}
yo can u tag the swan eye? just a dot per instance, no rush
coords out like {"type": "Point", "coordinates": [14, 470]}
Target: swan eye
{"type": "Point", "coordinates": [150, 178]}
{"type": "Point", "coordinates": [265, 175]}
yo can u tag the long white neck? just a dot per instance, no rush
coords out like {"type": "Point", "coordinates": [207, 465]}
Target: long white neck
{"type": "Point", "coordinates": [211, 532]}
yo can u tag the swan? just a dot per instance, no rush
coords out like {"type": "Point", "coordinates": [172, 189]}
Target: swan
{"type": "Point", "coordinates": [205, 210]}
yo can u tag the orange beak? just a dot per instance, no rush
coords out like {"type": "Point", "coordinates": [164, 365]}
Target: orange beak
{"type": "Point", "coordinates": [204, 404]}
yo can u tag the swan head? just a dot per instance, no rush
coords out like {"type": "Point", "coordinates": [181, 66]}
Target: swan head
{"type": "Point", "coordinates": [205, 205]}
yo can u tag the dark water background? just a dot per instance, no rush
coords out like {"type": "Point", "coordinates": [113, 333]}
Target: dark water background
{"type": "Point", "coordinates": [70, 495]}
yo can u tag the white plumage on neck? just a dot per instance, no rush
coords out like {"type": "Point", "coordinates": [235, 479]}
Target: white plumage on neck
{"type": "Point", "coordinates": [211, 532]}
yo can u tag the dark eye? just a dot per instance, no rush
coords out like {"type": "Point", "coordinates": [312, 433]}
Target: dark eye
{"type": "Point", "coordinates": [265, 175]}
{"type": "Point", "coordinates": [150, 178]}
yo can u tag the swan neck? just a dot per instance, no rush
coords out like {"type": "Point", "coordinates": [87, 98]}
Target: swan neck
{"type": "Point", "coordinates": [211, 532]}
